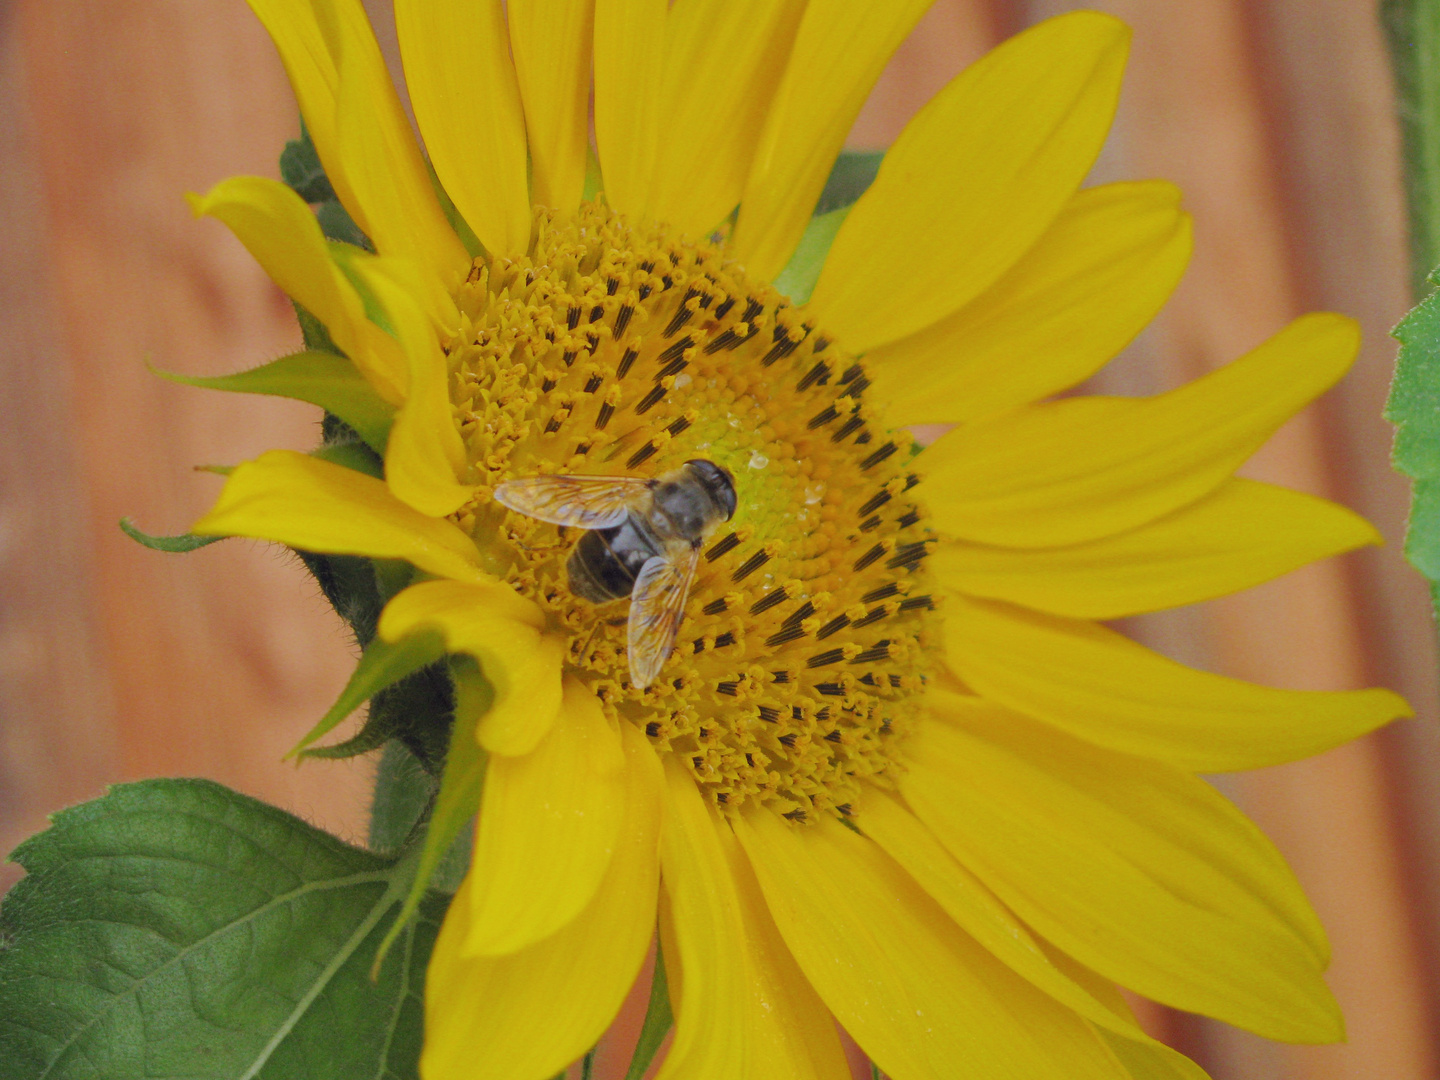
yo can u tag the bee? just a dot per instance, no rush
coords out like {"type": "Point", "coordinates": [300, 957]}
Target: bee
{"type": "Point", "coordinates": [644, 541]}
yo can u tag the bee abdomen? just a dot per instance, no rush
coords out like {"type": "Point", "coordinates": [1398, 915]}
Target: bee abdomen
{"type": "Point", "coordinates": [604, 564]}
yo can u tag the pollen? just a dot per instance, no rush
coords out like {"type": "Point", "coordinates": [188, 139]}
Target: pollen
{"type": "Point", "coordinates": [807, 635]}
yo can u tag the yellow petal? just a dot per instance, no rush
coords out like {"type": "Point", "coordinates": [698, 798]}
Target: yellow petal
{"type": "Point", "coordinates": [629, 67]}
{"type": "Point", "coordinates": [745, 1009]}
{"type": "Point", "coordinates": [307, 34]}
{"type": "Point", "coordinates": [528, 1015]}
{"type": "Point", "coordinates": [1140, 871]}
{"type": "Point", "coordinates": [973, 180]}
{"type": "Point", "coordinates": [281, 232]}
{"type": "Point", "coordinates": [425, 457]}
{"type": "Point", "coordinates": [1105, 688]}
{"type": "Point", "coordinates": [1073, 301]}
{"type": "Point", "coordinates": [723, 63]}
{"type": "Point", "coordinates": [383, 164]}
{"type": "Point", "coordinates": [840, 50]}
{"type": "Point", "coordinates": [305, 503]}
{"type": "Point", "coordinates": [918, 994]}
{"type": "Point", "coordinates": [467, 103]}
{"type": "Point", "coordinates": [1241, 534]}
{"type": "Point", "coordinates": [551, 41]}
{"type": "Point", "coordinates": [1082, 468]}
{"type": "Point", "coordinates": [548, 825]}
{"type": "Point", "coordinates": [500, 629]}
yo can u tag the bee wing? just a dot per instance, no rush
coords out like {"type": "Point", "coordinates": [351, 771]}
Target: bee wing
{"type": "Point", "coordinates": [588, 502]}
{"type": "Point", "coordinates": [656, 607]}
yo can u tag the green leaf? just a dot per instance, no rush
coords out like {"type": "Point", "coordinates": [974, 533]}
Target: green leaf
{"type": "Point", "coordinates": [175, 544]}
{"type": "Point", "coordinates": [658, 1021]}
{"type": "Point", "coordinates": [1414, 408]}
{"type": "Point", "coordinates": [382, 665]}
{"type": "Point", "coordinates": [461, 786]}
{"type": "Point", "coordinates": [320, 378]}
{"type": "Point", "coordinates": [352, 454]}
{"type": "Point", "coordinates": [853, 172]}
{"type": "Point", "coordinates": [1413, 27]}
{"type": "Point", "coordinates": [176, 930]}
{"type": "Point", "coordinates": [797, 280]}
{"type": "Point", "coordinates": [403, 794]}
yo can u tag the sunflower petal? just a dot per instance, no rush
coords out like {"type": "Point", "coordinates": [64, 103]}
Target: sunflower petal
{"type": "Point", "coordinates": [551, 42]}
{"type": "Point", "coordinates": [723, 63]}
{"type": "Point", "coordinates": [1140, 871]}
{"type": "Point", "coordinates": [402, 214]}
{"type": "Point", "coordinates": [528, 1015]}
{"type": "Point", "coordinates": [1104, 688]}
{"type": "Point", "coordinates": [425, 456]}
{"type": "Point", "coordinates": [629, 69]}
{"type": "Point", "coordinates": [1086, 288]}
{"type": "Point", "coordinates": [918, 995]}
{"type": "Point", "coordinates": [746, 1010]}
{"type": "Point", "coordinates": [1079, 469]}
{"type": "Point", "coordinates": [548, 824]}
{"type": "Point", "coordinates": [849, 41]}
{"type": "Point", "coordinates": [501, 629]}
{"type": "Point", "coordinates": [1243, 533]}
{"type": "Point", "coordinates": [305, 503]}
{"type": "Point", "coordinates": [974, 180]}
{"type": "Point", "coordinates": [462, 85]}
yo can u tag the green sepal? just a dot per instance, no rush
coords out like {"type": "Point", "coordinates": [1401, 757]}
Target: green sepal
{"type": "Point", "coordinates": [658, 1020]}
{"type": "Point", "coordinates": [300, 168]}
{"type": "Point", "coordinates": [1414, 409]}
{"type": "Point", "coordinates": [337, 225]}
{"type": "Point", "coordinates": [351, 454]}
{"type": "Point", "coordinates": [320, 378]}
{"type": "Point", "coordinates": [175, 928]}
{"type": "Point", "coordinates": [348, 583]}
{"type": "Point", "coordinates": [381, 666]}
{"type": "Point", "coordinates": [850, 177]}
{"type": "Point", "coordinates": [461, 786]}
{"type": "Point", "coordinates": [1413, 28]}
{"type": "Point", "coordinates": [797, 280]}
{"type": "Point", "coordinates": [175, 544]}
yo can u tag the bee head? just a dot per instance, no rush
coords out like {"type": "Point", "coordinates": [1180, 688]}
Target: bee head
{"type": "Point", "coordinates": [717, 480]}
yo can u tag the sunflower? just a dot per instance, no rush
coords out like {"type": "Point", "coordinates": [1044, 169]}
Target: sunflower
{"type": "Point", "coordinates": [897, 773]}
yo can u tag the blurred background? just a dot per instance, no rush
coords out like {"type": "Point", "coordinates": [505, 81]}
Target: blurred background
{"type": "Point", "coordinates": [116, 663]}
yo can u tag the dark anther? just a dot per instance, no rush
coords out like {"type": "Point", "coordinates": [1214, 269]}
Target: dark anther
{"type": "Point", "coordinates": [797, 713]}
{"type": "Point", "coordinates": [729, 689]}
{"type": "Point", "coordinates": [769, 714]}
{"type": "Point", "coordinates": [799, 615]}
{"type": "Point", "coordinates": [699, 644]}
{"type": "Point", "coordinates": [622, 320]}
{"type": "Point", "coordinates": [908, 554]}
{"type": "Point", "coordinates": [582, 448]}
{"type": "Point", "coordinates": [572, 317]}
{"type": "Point", "coordinates": [788, 741]}
{"type": "Point", "coordinates": [875, 502]}
{"type": "Point", "coordinates": [593, 383]}
{"type": "Point", "coordinates": [845, 430]}
{"type": "Point", "coordinates": [872, 616]}
{"type": "Point", "coordinates": [782, 348]}
{"type": "Point", "coordinates": [780, 676]}
{"type": "Point", "coordinates": [645, 291]}
{"type": "Point", "coordinates": [821, 344]}
{"type": "Point", "coordinates": [715, 607]}
{"type": "Point", "coordinates": [879, 455]}
{"type": "Point", "coordinates": [666, 282]}
{"type": "Point", "coordinates": [553, 424]}
{"type": "Point", "coordinates": [795, 815]}
{"type": "Point", "coordinates": [674, 350]}
{"type": "Point", "coordinates": [829, 656]}
{"type": "Point", "coordinates": [817, 374]}
{"type": "Point", "coordinates": [769, 600]}
{"type": "Point", "coordinates": [725, 306]}
{"type": "Point", "coordinates": [852, 373]}
{"type": "Point", "coordinates": [909, 519]}
{"type": "Point", "coordinates": [674, 367]}
{"type": "Point", "coordinates": [859, 387]}
{"type": "Point", "coordinates": [863, 438]}
{"type": "Point", "coordinates": [728, 544]}
{"type": "Point", "coordinates": [895, 681]}
{"type": "Point", "coordinates": [881, 651]}
{"type": "Point", "coordinates": [683, 314]}
{"type": "Point", "coordinates": [869, 557]}
{"type": "Point", "coordinates": [750, 565]}
{"type": "Point", "coordinates": [652, 728]}
{"type": "Point", "coordinates": [834, 736]}
{"type": "Point", "coordinates": [884, 592]}
{"type": "Point", "coordinates": [834, 626]}
{"type": "Point", "coordinates": [546, 385]}
{"type": "Point", "coordinates": [597, 313]}
{"type": "Point", "coordinates": [869, 523]}
{"type": "Point", "coordinates": [569, 357]}
{"type": "Point", "coordinates": [644, 454]}
{"type": "Point", "coordinates": [603, 416]}
{"type": "Point", "coordinates": [650, 400]}
{"type": "Point", "coordinates": [722, 798]}
{"type": "Point", "coordinates": [724, 639]}
{"type": "Point", "coordinates": [830, 689]}
{"type": "Point", "coordinates": [612, 285]}
{"type": "Point", "coordinates": [846, 809]}
{"type": "Point", "coordinates": [911, 481]}
{"type": "Point", "coordinates": [790, 633]}
{"type": "Point", "coordinates": [823, 417]}
{"type": "Point", "coordinates": [626, 362]}
{"type": "Point", "coordinates": [910, 603]}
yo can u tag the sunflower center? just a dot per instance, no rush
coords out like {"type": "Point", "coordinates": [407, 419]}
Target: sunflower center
{"type": "Point", "coordinates": [616, 349]}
